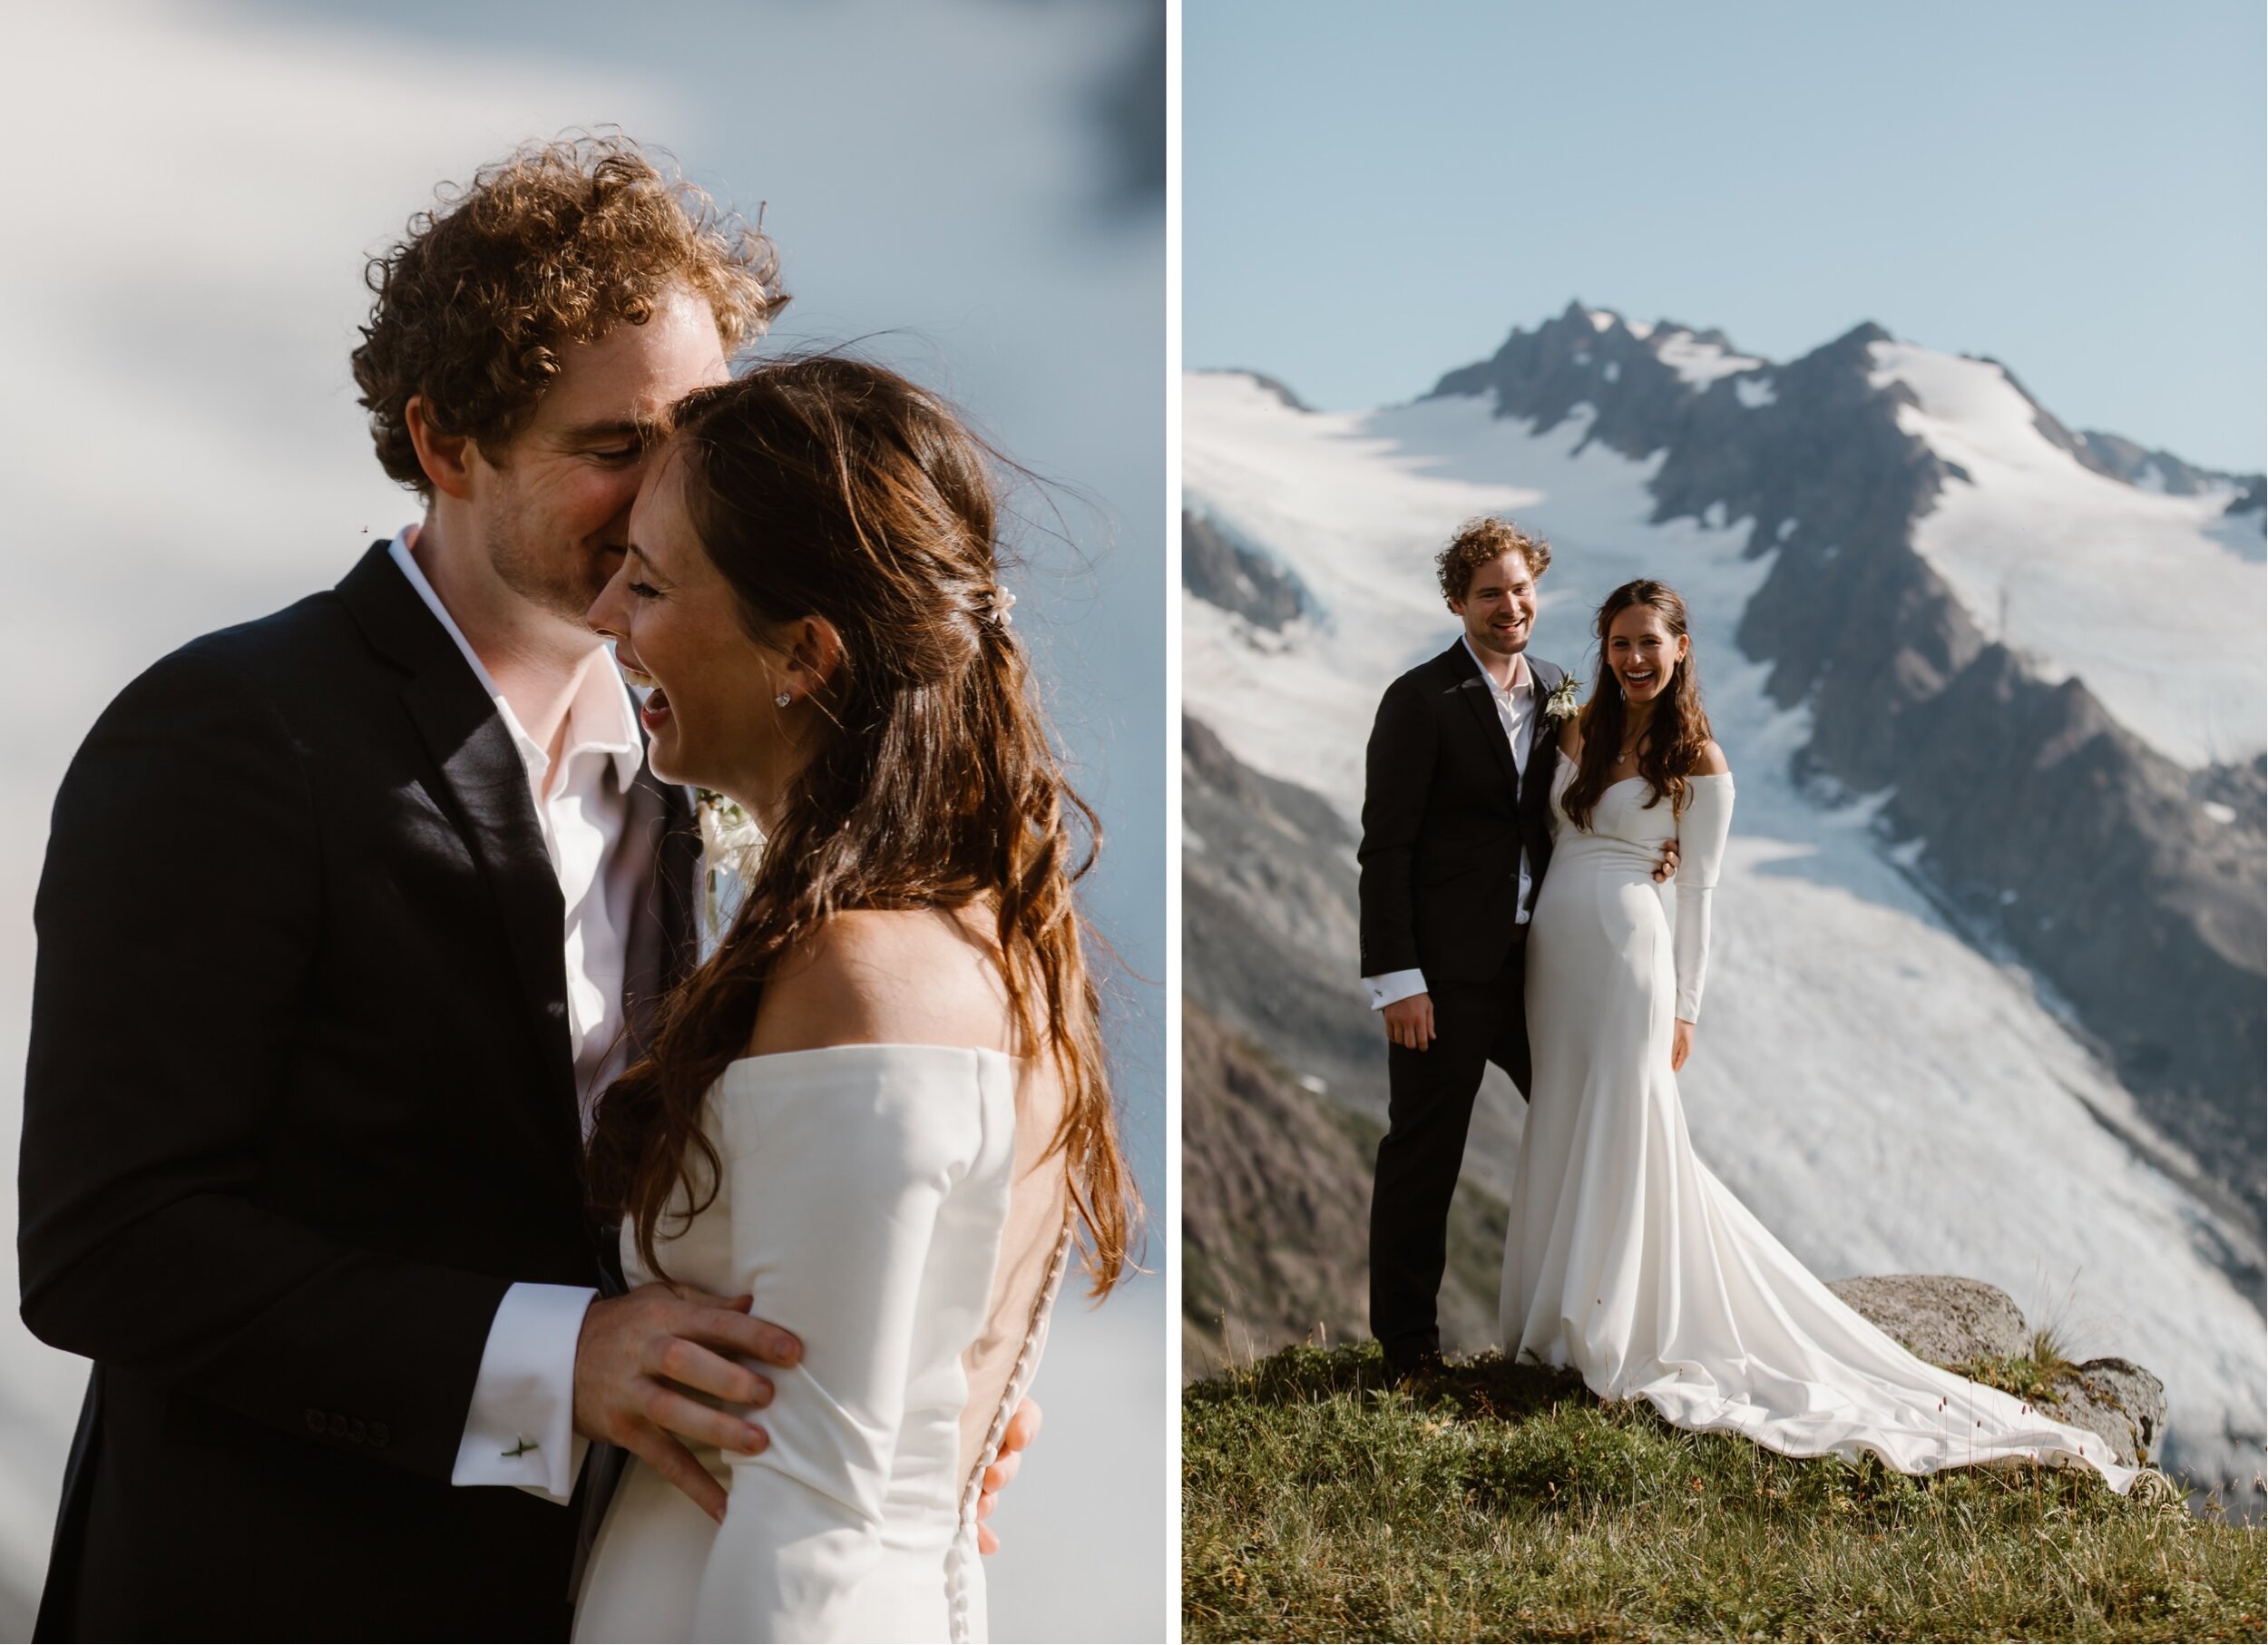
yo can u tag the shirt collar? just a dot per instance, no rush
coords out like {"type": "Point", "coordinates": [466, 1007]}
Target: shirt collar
{"type": "Point", "coordinates": [604, 720]}
{"type": "Point", "coordinates": [1520, 669]}
{"type": "Point", "coordinates": [603, 717]}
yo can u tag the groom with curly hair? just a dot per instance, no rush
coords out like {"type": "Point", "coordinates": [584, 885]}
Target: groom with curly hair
{"type": "Point", "coordinates": [1456, 838]}
{"type": "Point", "coordinates": [304, 1122]}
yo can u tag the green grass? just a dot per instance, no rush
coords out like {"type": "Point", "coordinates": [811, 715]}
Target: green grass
{"type": "Point", "coordinates": [2031, 1375]}
{"type": "Point", "coordinates": [1506, 1502]}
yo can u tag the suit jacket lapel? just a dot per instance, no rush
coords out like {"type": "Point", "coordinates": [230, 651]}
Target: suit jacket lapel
{"type": "Point", "coordinates": [484, 784]}
{"type": "Point", "coordinates": [1543, 745]}
{"type": "Point", "coordinates": [662, 938]}
{"type": "Point", "coordinates": [488, 784]}
{"type": "Point", "coordinates": [1532, 723]}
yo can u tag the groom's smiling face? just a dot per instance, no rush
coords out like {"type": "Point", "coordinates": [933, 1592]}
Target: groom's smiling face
{"type": "Point", "coordinates": [1500, 605]}
{"type": "Point", "coordinates": [552, 509]}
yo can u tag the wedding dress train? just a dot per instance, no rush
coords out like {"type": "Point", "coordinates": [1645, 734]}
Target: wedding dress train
{"type": "Point", "coordinates": [881, 1201]}
{"type": "Point", "coordinates": [1625, 1259]}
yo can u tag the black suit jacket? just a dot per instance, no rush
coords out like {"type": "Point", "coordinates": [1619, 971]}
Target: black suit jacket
{"type": "Point", "coordinates": [299, 1109]}
{"type": "Point", "coordinates": [1445, 815]}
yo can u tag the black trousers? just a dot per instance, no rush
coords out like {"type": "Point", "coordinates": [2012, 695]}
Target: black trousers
{"type": "Point", "coordinates": [1430, 1095]}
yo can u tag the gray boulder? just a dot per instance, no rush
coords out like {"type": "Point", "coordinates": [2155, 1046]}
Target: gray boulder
{"type": "Point", "coordinates": [1946, 1320]}
{"type": "Point", "coordinates": [2118, 1400]}
{"type": "Point", "coordinates": [1943, 1318]}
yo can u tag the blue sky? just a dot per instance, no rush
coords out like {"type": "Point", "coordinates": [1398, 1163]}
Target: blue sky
{"type": "Point", "coordinates": [1374, 195]}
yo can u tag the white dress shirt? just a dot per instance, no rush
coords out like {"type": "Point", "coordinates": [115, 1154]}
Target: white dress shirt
{"type": "Point", "coordinates": [524, 1399]}
{"type": "Point", "coordinates": [1514, 710]}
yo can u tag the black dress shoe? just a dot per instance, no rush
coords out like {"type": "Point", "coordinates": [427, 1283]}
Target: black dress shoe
{"type": "Point", "coordinates": [1416, 1369]}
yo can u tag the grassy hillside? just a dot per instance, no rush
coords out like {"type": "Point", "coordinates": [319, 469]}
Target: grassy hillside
{"type": "Point", "coordinates": [1506, 1502]}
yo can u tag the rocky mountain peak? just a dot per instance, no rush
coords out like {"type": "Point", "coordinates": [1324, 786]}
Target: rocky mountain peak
{"type": "Point", "coordinates": [1852, 345]}
{"type": "Point", "coordinates": [2136, 464]}
{"type": "Point", "coordinates": [1275, 387]}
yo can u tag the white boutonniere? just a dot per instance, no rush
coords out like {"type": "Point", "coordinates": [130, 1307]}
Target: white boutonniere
{"type": "Point", "coordinates": [730, 842]}
{"type": "Point", "coordinates": [1561, 704]}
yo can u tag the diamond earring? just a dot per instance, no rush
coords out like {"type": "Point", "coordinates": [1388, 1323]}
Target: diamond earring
{"type": "Point", "coordinates": [784, 699]}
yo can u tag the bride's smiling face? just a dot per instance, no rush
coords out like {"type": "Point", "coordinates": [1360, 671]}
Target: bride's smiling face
{"type": "Point", "coordinates": [713, 719]}
{"type": "Point", "coordinates": [1642, 651]}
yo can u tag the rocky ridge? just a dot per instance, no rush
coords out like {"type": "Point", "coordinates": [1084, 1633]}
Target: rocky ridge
{"type": "Point", "coordinates": [2128, 460]}
{"type": "Point", "coordinates": [1225, 572]}
{"type": "Point", "coordinates": [1284, 1080]}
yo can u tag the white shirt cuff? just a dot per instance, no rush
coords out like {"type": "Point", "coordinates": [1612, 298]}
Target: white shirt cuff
{"type": "Point", "coordinates": [519, 1429]}
{"type": "Point", "coordinates": [1395, 986]}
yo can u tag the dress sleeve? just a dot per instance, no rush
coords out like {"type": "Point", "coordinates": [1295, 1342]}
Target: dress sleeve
{"type": "Point", "coordinates": [837, 1169]}
{"type": "Point", "coordinates": [1702, 832]}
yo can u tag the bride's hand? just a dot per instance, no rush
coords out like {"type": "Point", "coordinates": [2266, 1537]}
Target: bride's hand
{"type": "Point", "coordinates": [1022, 1428]}
{"type": "Point", "coordinates": [1680, 1044]}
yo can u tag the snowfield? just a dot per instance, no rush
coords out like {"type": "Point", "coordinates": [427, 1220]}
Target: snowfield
{"type": "Point", "coordinates": [1885, 1098]}
{"type": "Point", "coordinates": [2152, 600]}
{"type": "Point", "coordinates": [1699, 363]}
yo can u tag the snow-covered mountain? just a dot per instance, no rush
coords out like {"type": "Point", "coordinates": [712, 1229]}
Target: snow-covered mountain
{"type": "Point", "coordinates": [2036, 665]}
{"type": "Point", "coordinates": [1893, 1075]}
{"type": "Point", "coordinates": [2129, 583]}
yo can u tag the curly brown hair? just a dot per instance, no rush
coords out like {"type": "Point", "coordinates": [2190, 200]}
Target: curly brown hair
{"type": "Point", "coordinates": [1480, 540]}
{"type": "Point", "coordinates": [555, 245]}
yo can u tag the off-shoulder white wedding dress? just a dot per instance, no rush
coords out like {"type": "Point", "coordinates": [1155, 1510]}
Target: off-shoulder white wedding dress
{"type": "Point", "coordinates": [1627, 1259]}
{"type": "Point", "coordinates": [882, 1202]}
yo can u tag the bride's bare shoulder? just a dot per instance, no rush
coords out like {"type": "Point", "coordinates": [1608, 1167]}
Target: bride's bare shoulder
{"type": "Point", "coordinates": [909, 976]}
{"type": "Point", "coordinates": [1713, 762]}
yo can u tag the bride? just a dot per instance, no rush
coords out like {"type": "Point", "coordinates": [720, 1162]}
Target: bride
{"type": "Point", "coordinates": [1625, 1259]}
{"type": "Point", "coordinates": [881, 1106]}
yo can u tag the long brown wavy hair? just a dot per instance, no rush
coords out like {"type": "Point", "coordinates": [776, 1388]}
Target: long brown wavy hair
{"type": "Point", "coordinates": [830, 487]}
{"type": "Point", "coordinates": [1675, 735]}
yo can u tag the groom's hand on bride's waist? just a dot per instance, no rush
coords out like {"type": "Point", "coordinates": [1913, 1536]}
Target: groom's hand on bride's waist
{"type": "Point", "coordinates": [1668, 868]}
{"type": "Point", "coordinates": [642, 1359]}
